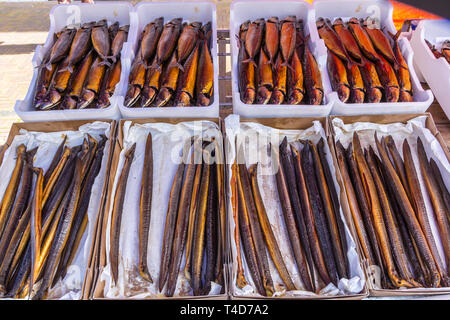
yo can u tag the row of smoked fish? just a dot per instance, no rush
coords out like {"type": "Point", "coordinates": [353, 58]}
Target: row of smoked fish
{"type": "Point", "coordinates": [444, 52]}
{"type": "Point", "coordinates": [82, 68]}
{"type": "Point", "coordinates": [173, 66]}
{"type": "Point", "coordinates": [362, 64]}
{"type": "Point", "coordinates": [43, 217]}
{"type": "Point", "coordinates": [275, 64]}
{"type": "Point", "coordinates": [195, 224]}
{"type": "Point", "coordinates": [389, 213]}
{"type": "Point", "coordinates": [310, 207]}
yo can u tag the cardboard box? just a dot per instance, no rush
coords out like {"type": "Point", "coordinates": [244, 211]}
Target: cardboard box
{"type": "Point", "coordinates": [384, 119]}
{"type": "Point", "coordinates": [99, 263]}
{"type": "Point", "coordinates": [54, 127]}
{"type": "Point", "coordinates": [295, 124]}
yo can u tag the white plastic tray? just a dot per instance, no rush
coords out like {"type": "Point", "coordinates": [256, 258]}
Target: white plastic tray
{"type": "Point", "coordinates": [61, 16]}
{"type": "Point", "coordinates": [435, 71]}
{"type": "Point", "coordinates": [382, 10]}
{"type": "Point", "coordinates": [146, 12]}
{"type": "Point", "coordinates": [242, 11]}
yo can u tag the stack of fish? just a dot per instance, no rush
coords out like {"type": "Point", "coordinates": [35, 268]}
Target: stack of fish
{"type": "Point", "coordinates": [195, 219]}
{"type": "Point", "coordinates": [173, 66]}
{"type": "Point", "coordinates": [286, 71]}
{"type": "Point", "coordinates": [82, 68]}
{"type": "Point", "coordinates": [389, 212]}
{"type": "Point", "coordinates": [310, 209]}
{"type": "Point", "coordinates": [44, 216]}
{"type": "Point", "coordinates": [362, 64]}
{"type": "Point", "coordinates": [445, 50]}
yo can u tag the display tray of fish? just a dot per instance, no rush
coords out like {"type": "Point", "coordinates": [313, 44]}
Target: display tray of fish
{"type": "Point", "coordinates": [277, 68]}
{"type": "Point", "coordinates": [82, 68]}
{"type": "Point", "coordinates": [369, 63]}
{"type": "Point", "coordinates": [397, 190]}
{"type": "Point", "coordinates": [77, 72]}
{"type": "Point", "coordinates": [431, 43]}
{"type": "Point", "coordinates": [288, 235]}
{"type": "Point", "coordinates": [166, 227]}
{"type": "Point", "coordinates": [49, 203]}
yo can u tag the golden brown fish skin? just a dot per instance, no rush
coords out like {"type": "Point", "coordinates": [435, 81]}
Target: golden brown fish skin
{"type": "Point", "coordinates": [253, 40]}
{"type": "Point", "coordinates": [61, 46]}
{"type": "Point", "coordinates": [296, 89]}
{"type": "Point", "coordinates": [247, 87]}
{"type": "Point", "coordinates": [199, 230]}
{"type": "Point", "coordinates": [11, 190]}
{"type": "Point", "coordinates": [117, 43]}
{"type": "Point", "coordinates": [188, 79]}
{"type": "Point", "coordinates": [353, 205]}
{"type": "Point", "coordinates": [248, 242]}
{"type": "Point", "coordinates": [380, 41]}
{"type": "Point", "coordinates": [396, 245]}
{"type": "Point", "coordinates": [187, 42]}
{"type": "Point", "coordinates": [192, 217]}
{"type": "Point", "coordinates": [363, 40]}
{"type": "Point", "coordinates": [279, 91]}
{"type": "Point", "coordinates": [436, 200]}
{"type": "Point", "coordinates": [256, 231]}
{"type": "Point", "coordinates": [150, 37]}
{"type": "Point", "coordinates": [116, 216]}
{"type": "Point", "coordinates": [167, 42]}
{"type": "Point", "coordinates": [376, 213]}
{"type": "Point", "coordinates": [168, 84]}
{"type": "Point", "coordinates": [338, 76]}
{"type": "Point", "coordinates": [61, 79]}
{"type": "Point", "coordinates": [309, 217]}
{"type": "Point", "coordinates": [441, 184]}
{"type": "Point", "coordinates": [136, 81]}
{"type": "Point", "coordinates": [179, 236]}
{"type": "Point", "coordinates": [113, 29]}
{"type": "Point", "coordinates": [331, 40]}
{"type": "Point", "coordinates": [80, 46]}
{"type": "Point", "coordinates": [347, 40]}
{"type": "Point", "coordinates": [409, 215]}
{"type": "Point", "coordinates": [288, 214]}
{"type": "Point", "coordinates": [272, 39]}
{"type": "Point", "coordinates": [403, 76]}
{"type": "Point", "coordinates": [145, 208]}
{"type": "Point", "coordinates": [388, 80]}
{"type": "Point", "coordinates": [355, 80]}
{"type": "Point", "coordinates": [81, 74]}
{"type": "Point", "coordinates": [288, 34]}
{"type": "Point", "coordinates": [205, 73]}
{"type": "Point", "coordinates": [45, 77]}
{"type": "Point", "coordinates": [372, 82]}
{"type": "Point", "coordinates": [312, 76]}
{"type": "Point", "coordinates": [55, 174]}
{"type": "Point", "coordinates": [170, 225]}
{"type": "Point", "coordinates": [241, 282]}
{"type": "Point", "coordinates": [101, 41]}
{"type": "Point", "coordinates": [419, 207]}
{"type": "Point", "coordinates": [398, 164]}
{"type": "Point", "coordinates": [222, 212]}
{"type": "Point", "coordinates": [265, 80]}
{"type": "Point", "coordinates": [36, 222]}
{"type": "Point", "coordinates": [112, 79]}
{"type": "Point", "coordinates": [151, 87]}
{"type": "Point", "coordinates": [93, 82]}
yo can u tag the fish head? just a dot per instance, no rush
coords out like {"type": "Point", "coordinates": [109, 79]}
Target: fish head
{"type": "Point", "coordinates": [69, 102]}
{"type": "Point", "coordinates": [273, 20]}
{"type": "Point", "coordinates": [203, 99]}
{"type": "Point", "coordinates": [374, 95]}
{"type": "Point", "coordinates": [163, 97]}
{"type": "Point", "coordinates": [52, 99]}
{"type": "Point", "coordinates": [148, 96]}
{"type": "Point", "coordinates": [357, 96]}
{"type": "Point", "coordinates": [338, 22]}
{"type": "Point", "coordinates": [392, 94]}
{"type": "Point", "coordinates": [183, 99]}
{"type": "Point", "coordinates": [277, 97]}
{"type": "Point", "coordinates": [132, 95]}
{"type": "Point", "coordinates": [295, 97]}
{"type": "Point", "coordinates": [320, 23]}
{"type": "Point", "coordinates": [343, 92]}
{"type": "Point", "coordinates": [86, 99]}
{"type": "Point", "coordinates": [263, 95]}
{"type": "Point", "coordinates": [88, 25]}
{"type": "Point", "coordinates": [101, 23]}
{"type": "Point", "coordinates": [125, 28]}
{"type": "Point", "coordinates": [405, 96]}
{"type": "Point", "coordinates": [353, 21]}
{"type": "Point", "coordinates": [249, 96]}
{"type": "Point", "coordinates": [315, 97]}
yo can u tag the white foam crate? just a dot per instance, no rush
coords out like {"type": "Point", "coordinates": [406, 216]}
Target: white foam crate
{"type": "Point", "coordinates": [435, 71]}
{"type": "Point", "coordinates": [190, 11]}
{"type": "Point", "coordinates": [382, 10]}
{"type": "Point", "coordinates": [242, 11]}
{"type": "Point", "coordinates": [61, 16]}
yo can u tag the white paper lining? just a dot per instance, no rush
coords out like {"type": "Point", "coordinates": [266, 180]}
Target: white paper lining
{"type": "Point", "coordinates": [167, 143]}
{"type": "Point", "coordinates": [410, 131]}
{"type": "Point", "coordinates": [47, 143]}
{"type": "Point", "coordinates": [269, 194]}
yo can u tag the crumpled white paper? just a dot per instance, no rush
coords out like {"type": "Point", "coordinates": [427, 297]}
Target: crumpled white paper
{"type": "Point", "coordinates": [47, 143]}
{"type": "Point", "coordinates": [167, 142]}
{"type": "Point", "coordinates": [410, 131]}
{"type": "Point", "coordinates": [255, 151]}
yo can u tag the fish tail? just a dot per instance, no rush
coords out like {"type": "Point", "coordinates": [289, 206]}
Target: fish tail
{"type": "Point", "coordinates": [250, 60]}
{"type": "Point", "coordinates": [179, 66]}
